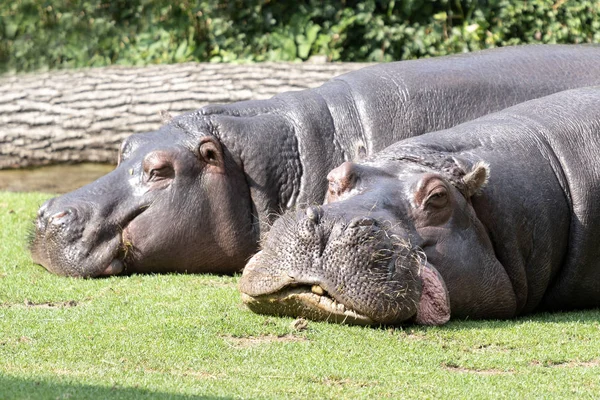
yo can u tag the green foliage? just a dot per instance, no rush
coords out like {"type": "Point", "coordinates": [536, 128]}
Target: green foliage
{"type": "Point", "coordinates": [183, 336]}
{"type": "Point", "coordinates": [39, 34]}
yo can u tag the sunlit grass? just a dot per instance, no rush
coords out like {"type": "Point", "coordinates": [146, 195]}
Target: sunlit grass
{"type": "Point", "coordinates": [175, 336]}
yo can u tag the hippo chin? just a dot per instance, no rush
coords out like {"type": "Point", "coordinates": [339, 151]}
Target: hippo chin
{"type": "Point", "coordinates": [196, 195]}
{"type": "Point", "coordinates": [494, 218]}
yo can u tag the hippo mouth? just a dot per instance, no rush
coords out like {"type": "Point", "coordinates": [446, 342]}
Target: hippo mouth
{"type": "Point", "coordinates": [329, 269]}
{"type": "Point", "coordinates": [309, 301]}
{"type": "Point", "coordinates": [69, 243]}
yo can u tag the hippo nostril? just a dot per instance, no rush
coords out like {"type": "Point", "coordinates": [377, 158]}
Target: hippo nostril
{"type": "Point", "coordinates": [44, 208]}
{"type": "Point", "coordinates": [63, 216]}
{"type": "Point", "coordinates": [362, 221]}
{"type": "Point", "coordinates": [314, 214]}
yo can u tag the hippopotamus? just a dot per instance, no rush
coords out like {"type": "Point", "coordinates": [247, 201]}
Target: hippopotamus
{"type": "Point", "coordinates": [494, 218]}
{"type": "Point", "coordinates": [195, 195]}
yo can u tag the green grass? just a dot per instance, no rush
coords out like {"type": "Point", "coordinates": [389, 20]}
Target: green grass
{"type": "Point", "coordinates": [178, 336]}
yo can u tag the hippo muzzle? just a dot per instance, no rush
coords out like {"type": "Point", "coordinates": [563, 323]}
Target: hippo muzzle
{"type": "Point", "coordinates": [315, 266]}
{"type": "Point", "coordinates": [80, 234]}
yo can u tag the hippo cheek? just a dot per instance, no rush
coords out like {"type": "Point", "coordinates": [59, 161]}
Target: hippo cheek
{"type": "Point", "coordinates": [163, 240]}
{"type": "Point", "coordinates": [151, 243]}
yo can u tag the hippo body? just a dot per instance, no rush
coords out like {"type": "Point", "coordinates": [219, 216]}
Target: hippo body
{"type": "Point", "coordinates": [493, 218]}
{"type": "Point", "coordinates": [195, 195]}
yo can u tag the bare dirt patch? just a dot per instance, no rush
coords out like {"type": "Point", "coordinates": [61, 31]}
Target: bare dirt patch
{"type": "Point", "coordinates": [218, 284]}
{"type": "Point", "coordinates": [46, 304]}
{"type": "Point", "coordinates": [251, 341]}
{"type": "Point", "coordinates": [457, 368]}
{"type": "Point", "coordinates": [338, 381]}
{"type": "Point", "coordinates": [567, 364]}
{"type": "Point", "coordinates": [51, 304]}
{"type": "Point", "coordinates": [52, 179]}
{"type": "Point", "coordinates": [202, 375]}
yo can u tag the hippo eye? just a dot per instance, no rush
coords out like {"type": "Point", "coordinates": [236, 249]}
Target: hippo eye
{"type": "Point", "coordinates": [157, 166]}
{"type": "Point", "coordinates": [156, 174]}
{"type": "Point", "coordinates": [437, 198]}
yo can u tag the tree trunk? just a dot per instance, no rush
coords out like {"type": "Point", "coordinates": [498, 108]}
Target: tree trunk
{"type": "Point", "coordinates": [83, 115]}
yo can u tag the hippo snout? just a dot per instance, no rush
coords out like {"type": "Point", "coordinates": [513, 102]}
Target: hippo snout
{"type": "Point", "coordinates": [314, 214]}
{"type": "Point", "coordinates": [70, 239]}
{"type": "Point", "coordinates": [63, 218]}
{"type": "Point", "coordinates": [315, 263]}
{"type": "Point", "coordinates": [59, 224]}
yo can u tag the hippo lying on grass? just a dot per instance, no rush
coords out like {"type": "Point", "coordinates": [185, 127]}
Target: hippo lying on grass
{"type": "Point", "coordinates": [191, 196]}
{"type": "Point", "coordinates": [494, 218]}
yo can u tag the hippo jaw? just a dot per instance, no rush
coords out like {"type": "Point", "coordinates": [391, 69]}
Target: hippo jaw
{"type": "Point", "coordinates": [315, 303]}
{"type": "Point", "coordinates": [47, 249]}
{"type": "Point", "coordinates": [75, 236]}
{"type": "Point", "coordinates": [310, 268]}
{"type": "Point", "coordinates": [310, 302]}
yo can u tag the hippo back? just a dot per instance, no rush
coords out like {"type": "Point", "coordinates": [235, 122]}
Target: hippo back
{"type": "Point", "coordinates": [403, 99]}
{"type": "Point", "coordinates": [361, 112]}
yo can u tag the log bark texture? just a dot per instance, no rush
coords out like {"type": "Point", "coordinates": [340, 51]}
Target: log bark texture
{"type": "Point", "coordinates": [83, 115]}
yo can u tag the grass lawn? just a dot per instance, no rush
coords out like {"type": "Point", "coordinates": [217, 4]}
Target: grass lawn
{"type": "Point", "coordinates": [185, 336]}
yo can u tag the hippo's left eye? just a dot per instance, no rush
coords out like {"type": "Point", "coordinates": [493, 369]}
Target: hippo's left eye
{"type": "Point", "coordinates": [157, 166]}
{"type": "Point", "coordinates": [437, 198]}
{"type": "Point", "coordinates": [156, 174]}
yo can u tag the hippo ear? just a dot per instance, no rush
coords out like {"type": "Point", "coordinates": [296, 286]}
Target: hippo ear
{"type": "Point", "coordinates": [165, 116]}
{"type": "Point", "coordinates": [434, 305]}
{"type": "Point", "coordinates": [476, 179]}
{"type": "Point", "coordinates": [341, 179]}
{"type": "Point", "coordinates": [211, 152]}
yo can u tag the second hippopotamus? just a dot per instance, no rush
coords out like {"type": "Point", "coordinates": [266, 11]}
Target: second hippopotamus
{"type": "Point", "coordinates": [494, 218]}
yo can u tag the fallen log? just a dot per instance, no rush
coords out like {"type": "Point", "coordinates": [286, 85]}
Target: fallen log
{"type": "Point", "coordinates": [83, 115]}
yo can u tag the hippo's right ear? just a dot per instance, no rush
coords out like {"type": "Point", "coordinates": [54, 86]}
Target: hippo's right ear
{"type": "Point", "coordinates": [211, 152]}
{"type": "Point", "coordinates": [434, 304]}
{"type": "Point", "coordinates": [475, 180]}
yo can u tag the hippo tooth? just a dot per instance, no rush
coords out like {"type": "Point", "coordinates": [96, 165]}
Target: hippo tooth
{"type": "Point", "coordinates": [316, 289]}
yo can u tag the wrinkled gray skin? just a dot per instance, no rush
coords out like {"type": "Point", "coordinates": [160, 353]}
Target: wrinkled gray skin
{"type": "Point", "coordinates": [417, 233]}
{"type": "Point", "coordinates": [193, 196]}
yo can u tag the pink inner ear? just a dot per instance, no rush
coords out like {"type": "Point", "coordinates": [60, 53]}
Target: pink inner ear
{"type": "Point", "coordinates": [434, 305]}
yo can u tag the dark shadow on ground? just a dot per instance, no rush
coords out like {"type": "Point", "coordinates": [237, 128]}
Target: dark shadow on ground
{"type": "Point", "coordinates": [21, 388]}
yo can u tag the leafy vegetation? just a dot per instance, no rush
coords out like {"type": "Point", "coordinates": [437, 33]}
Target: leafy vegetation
{"type": "Point", "coordinates": [41, 34]}
{"type": "Point", "coordinates": [180, 336]}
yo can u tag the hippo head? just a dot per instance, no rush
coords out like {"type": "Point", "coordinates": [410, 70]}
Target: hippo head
{"type": "Point", "coordinates": [378, 250]}
{"type": "Point", "coordinates": [168, 206]}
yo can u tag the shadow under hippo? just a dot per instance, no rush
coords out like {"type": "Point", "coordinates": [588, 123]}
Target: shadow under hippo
{"type": "Point", "coordinates": [195, 195]}
{"type": "Point", "coordinates": [494, 218]}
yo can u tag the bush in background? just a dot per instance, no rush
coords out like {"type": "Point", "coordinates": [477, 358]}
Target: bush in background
{"type": "Point", "coordinates": [38, 34]}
